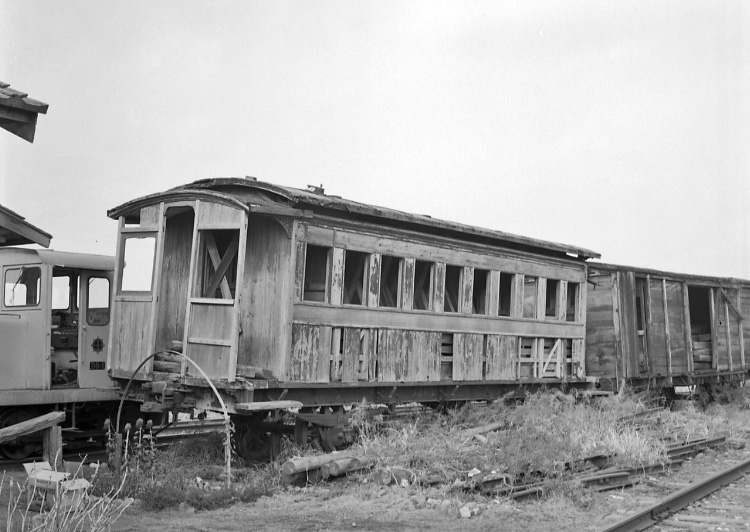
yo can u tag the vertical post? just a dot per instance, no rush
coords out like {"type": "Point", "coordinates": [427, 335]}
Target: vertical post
{"type": "Point", "coordinates": [53, 446]}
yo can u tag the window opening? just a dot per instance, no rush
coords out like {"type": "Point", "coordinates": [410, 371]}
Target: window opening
{"type": "Point", "coordinates": [316, 273]}
{"type": "Point", "coordinates": [61, 292]}
{"type": "Point", "coordinates": [572, 303]}
{"type": "Point", "coordinates": [97, 301]}
{"type": "Point", "coordinates": [423, 284]}
{"type": "Point", "coordinates": [479, 296]}
{"type": "Point", "coordinates": [390, 273]}
{"type": "Point", "coordinates": [138, 264]}
{"type": "Point", "coordinates": [355, 263]}
{"type": "Point", "coordinates": [452, 288]}
{"type": "Point", "coordinates": [550, 298]}
{"type": "Point", "coordinates": [22, 286]}
{"type": "Point", "coordinates": [219, 276]}
{"type": "Point", "coordinates": [700, 311]}
{"type": "Point", "coordinates": [529, 297]}
{"type": "Point", "coordinates": [506, 288]}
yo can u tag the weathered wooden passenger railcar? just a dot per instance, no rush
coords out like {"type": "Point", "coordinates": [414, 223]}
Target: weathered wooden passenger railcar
{"type": "Point", "coordinates": [286, 294]}
{"type": "Point", "coordinates": [668, 329]}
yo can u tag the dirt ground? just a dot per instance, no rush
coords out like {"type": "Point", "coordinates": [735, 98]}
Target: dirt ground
{"type": "Point", "coordinates": [352, 508]}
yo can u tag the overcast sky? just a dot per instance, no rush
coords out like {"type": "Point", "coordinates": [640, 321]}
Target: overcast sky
{"type": "Point", "coordinates": [622, 127]}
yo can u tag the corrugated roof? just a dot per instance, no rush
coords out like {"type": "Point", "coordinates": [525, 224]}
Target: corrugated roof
{"type": "Point", "coordinates": [18, 112]}
{"type": "Point", "coordinates": [264, 195]}
{"type": "Point", "coordinates": [16, 231]}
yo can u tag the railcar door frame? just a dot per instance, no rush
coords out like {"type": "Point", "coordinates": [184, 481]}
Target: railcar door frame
{"type": "Point", "coordinates": [207, 335]}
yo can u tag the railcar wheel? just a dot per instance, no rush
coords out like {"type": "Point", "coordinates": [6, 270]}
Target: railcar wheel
{"type": "Point", "coordinates": [16, 450]}
{"type": "Point", "coordinates": [251, 442]}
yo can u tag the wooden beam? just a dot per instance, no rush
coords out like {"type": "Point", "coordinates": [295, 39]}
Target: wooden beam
{"type": "Point", "coordinates": [688, 328]}
{"type": "Point", "coordinates": [31, 426]}
{"type": "Point", "coordinates": [666, 326]}
{"type": "Point", "coordinates": [714, 329]}
{"type": "Point", "coordinates": [728, 331]}
{"type": "Point", "coordinates": [363, 317]}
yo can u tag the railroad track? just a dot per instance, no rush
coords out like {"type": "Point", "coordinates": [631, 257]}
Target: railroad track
{"type": "Point", "coordinates": [718, 501]}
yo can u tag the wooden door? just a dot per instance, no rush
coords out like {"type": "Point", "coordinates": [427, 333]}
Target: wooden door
{"type": "Point", "coordinates": [217, 266]}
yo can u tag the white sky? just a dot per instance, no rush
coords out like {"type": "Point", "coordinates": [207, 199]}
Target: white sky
{"type": "Point", "coordinates": [622, 127]}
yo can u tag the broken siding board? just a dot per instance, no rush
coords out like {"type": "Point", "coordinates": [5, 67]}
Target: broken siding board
{"type": "Point", "coordinates": [516, 296]}
{"type": "Point", "coordinates": [688, 332]}
{"type": "Point", "coordinates": [438, 279]}
{"type": "Point", "coordinates": [657, 344]}
{"type": "Point", "coordinates": [728, 332]}
{"type": "Point", "coordinates": [407, 284]}
{"type": "Point", "coordinates": [322, 368]}
{"type": "Point", "coordinates": [336, 354]}
{"type": "Point", "coordinates": [467, 290]}
{"type": "Point", "coordinates": [299, 272]}
{"type": "Point", "coordinates": [600, 355]}
{"type": "Point", "coordinates": [493, 293]}
{"type": "Point", "coordinates": [374, 280]}
{"type": "Point", "coordinates": [741, 334]}
{"type": "Point", "coordinates": [561, 302]}
{"type": "Point", "coordinates": [385, 358]}
{"type": "Point", "coordinates": [417, 356]}
{"type": "Point", "coordinates": [628, 326]}
{"type": "Point", "coordinates": [305, 346]}
{"type": "Point", "coordinates": [369, 358]}
{"type": "Point", "coordinates": [714, 330]}
{"type": "Point", "coordinates": [468, 355]}
{"type": "Point", "coordinates": [351, 354]}
{"type": "Point", "coordinates": [501, 357]}
{"type": "Point", "coordinates": [666, 326]}
{"type": "Point", "coordinates": [621, 363]}
{"type": "Point", "coordinates": [337, 276]}
{"type": "Point", "coordinates": [676, 315]}
{"type": "Point", "coordinates": [744, 307]}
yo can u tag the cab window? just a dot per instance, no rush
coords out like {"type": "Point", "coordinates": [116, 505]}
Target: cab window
{"type": "Point", "coordinates": [22, 286]}
{"type": "Point", "coordinates": [97, 301]}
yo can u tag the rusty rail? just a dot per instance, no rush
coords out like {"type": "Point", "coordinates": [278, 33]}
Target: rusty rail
{"type": "Point", "coordinates": [681, 499]}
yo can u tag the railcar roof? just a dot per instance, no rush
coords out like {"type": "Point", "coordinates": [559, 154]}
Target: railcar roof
{"type": "Point", "coordinates": [63, 259]}
{"type": "Point", "coordinates": [16, 231]}
{"type": "Point", "coordinates": [262, 195]}
{"type": "Point", "coordinates": [707, 279]}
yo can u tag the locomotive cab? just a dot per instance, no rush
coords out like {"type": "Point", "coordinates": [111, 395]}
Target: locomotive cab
{"type": "Point", "coordinates": [54, 321]}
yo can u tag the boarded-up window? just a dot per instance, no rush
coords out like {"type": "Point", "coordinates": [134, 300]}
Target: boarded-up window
{"type": "Point", "coordinates": [506, 288]}
{"type": "Point", "coordinates": [529, 297]}
{"type": "Point", "coordinates": [479, 295]}
{"type": "Point", "coordinates": [390, 274]}
{"type": "Point", "coordinates": [573, 294]}
{"type": "Point", "coordinates": [355, 266]}
{"type": "Point", "coordinates": [317, 259]}
{"type": "Point", "coordinates": [550, 298]}
{"type": "Point", "coordinates": [218, 266]}
{"type": "Point", "coordinates": [423, 285]}
{"type": "Point", "coordinates": [138, 264]}
{"type": "Point", "coordinates": [452, 288]}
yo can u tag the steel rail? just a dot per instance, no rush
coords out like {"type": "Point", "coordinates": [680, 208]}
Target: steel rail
{"type": "Point", "coordinates": [681, 499]}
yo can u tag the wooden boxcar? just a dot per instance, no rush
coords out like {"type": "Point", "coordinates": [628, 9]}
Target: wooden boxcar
{"type": "Point", "coordinates": [666, 329]}
{"type": "Point", "coordinates": [283, 294]}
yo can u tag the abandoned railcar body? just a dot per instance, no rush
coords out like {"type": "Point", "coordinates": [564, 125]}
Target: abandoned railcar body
{"type": "Point", "coordinates": [665, 329]}
{"type": "Point", "coordinates": [281, 294]}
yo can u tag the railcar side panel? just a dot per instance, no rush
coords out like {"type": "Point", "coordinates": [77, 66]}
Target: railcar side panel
{"type": "Point", "coordinates": [266, 308]}
{"type": "Point", "coordinates": [601, 360]}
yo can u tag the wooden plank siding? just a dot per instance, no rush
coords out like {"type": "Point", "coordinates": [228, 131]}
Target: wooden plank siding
{"type": "Point", "coordinates": [410, 345]}
{"type": "Point", "coordinates": [601, 359]}
{"type": "Point", "coordinates": [676, 317]}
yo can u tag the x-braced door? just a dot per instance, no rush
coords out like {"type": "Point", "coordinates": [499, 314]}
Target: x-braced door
{"type": "Point", "coordinates": [217, 265]}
